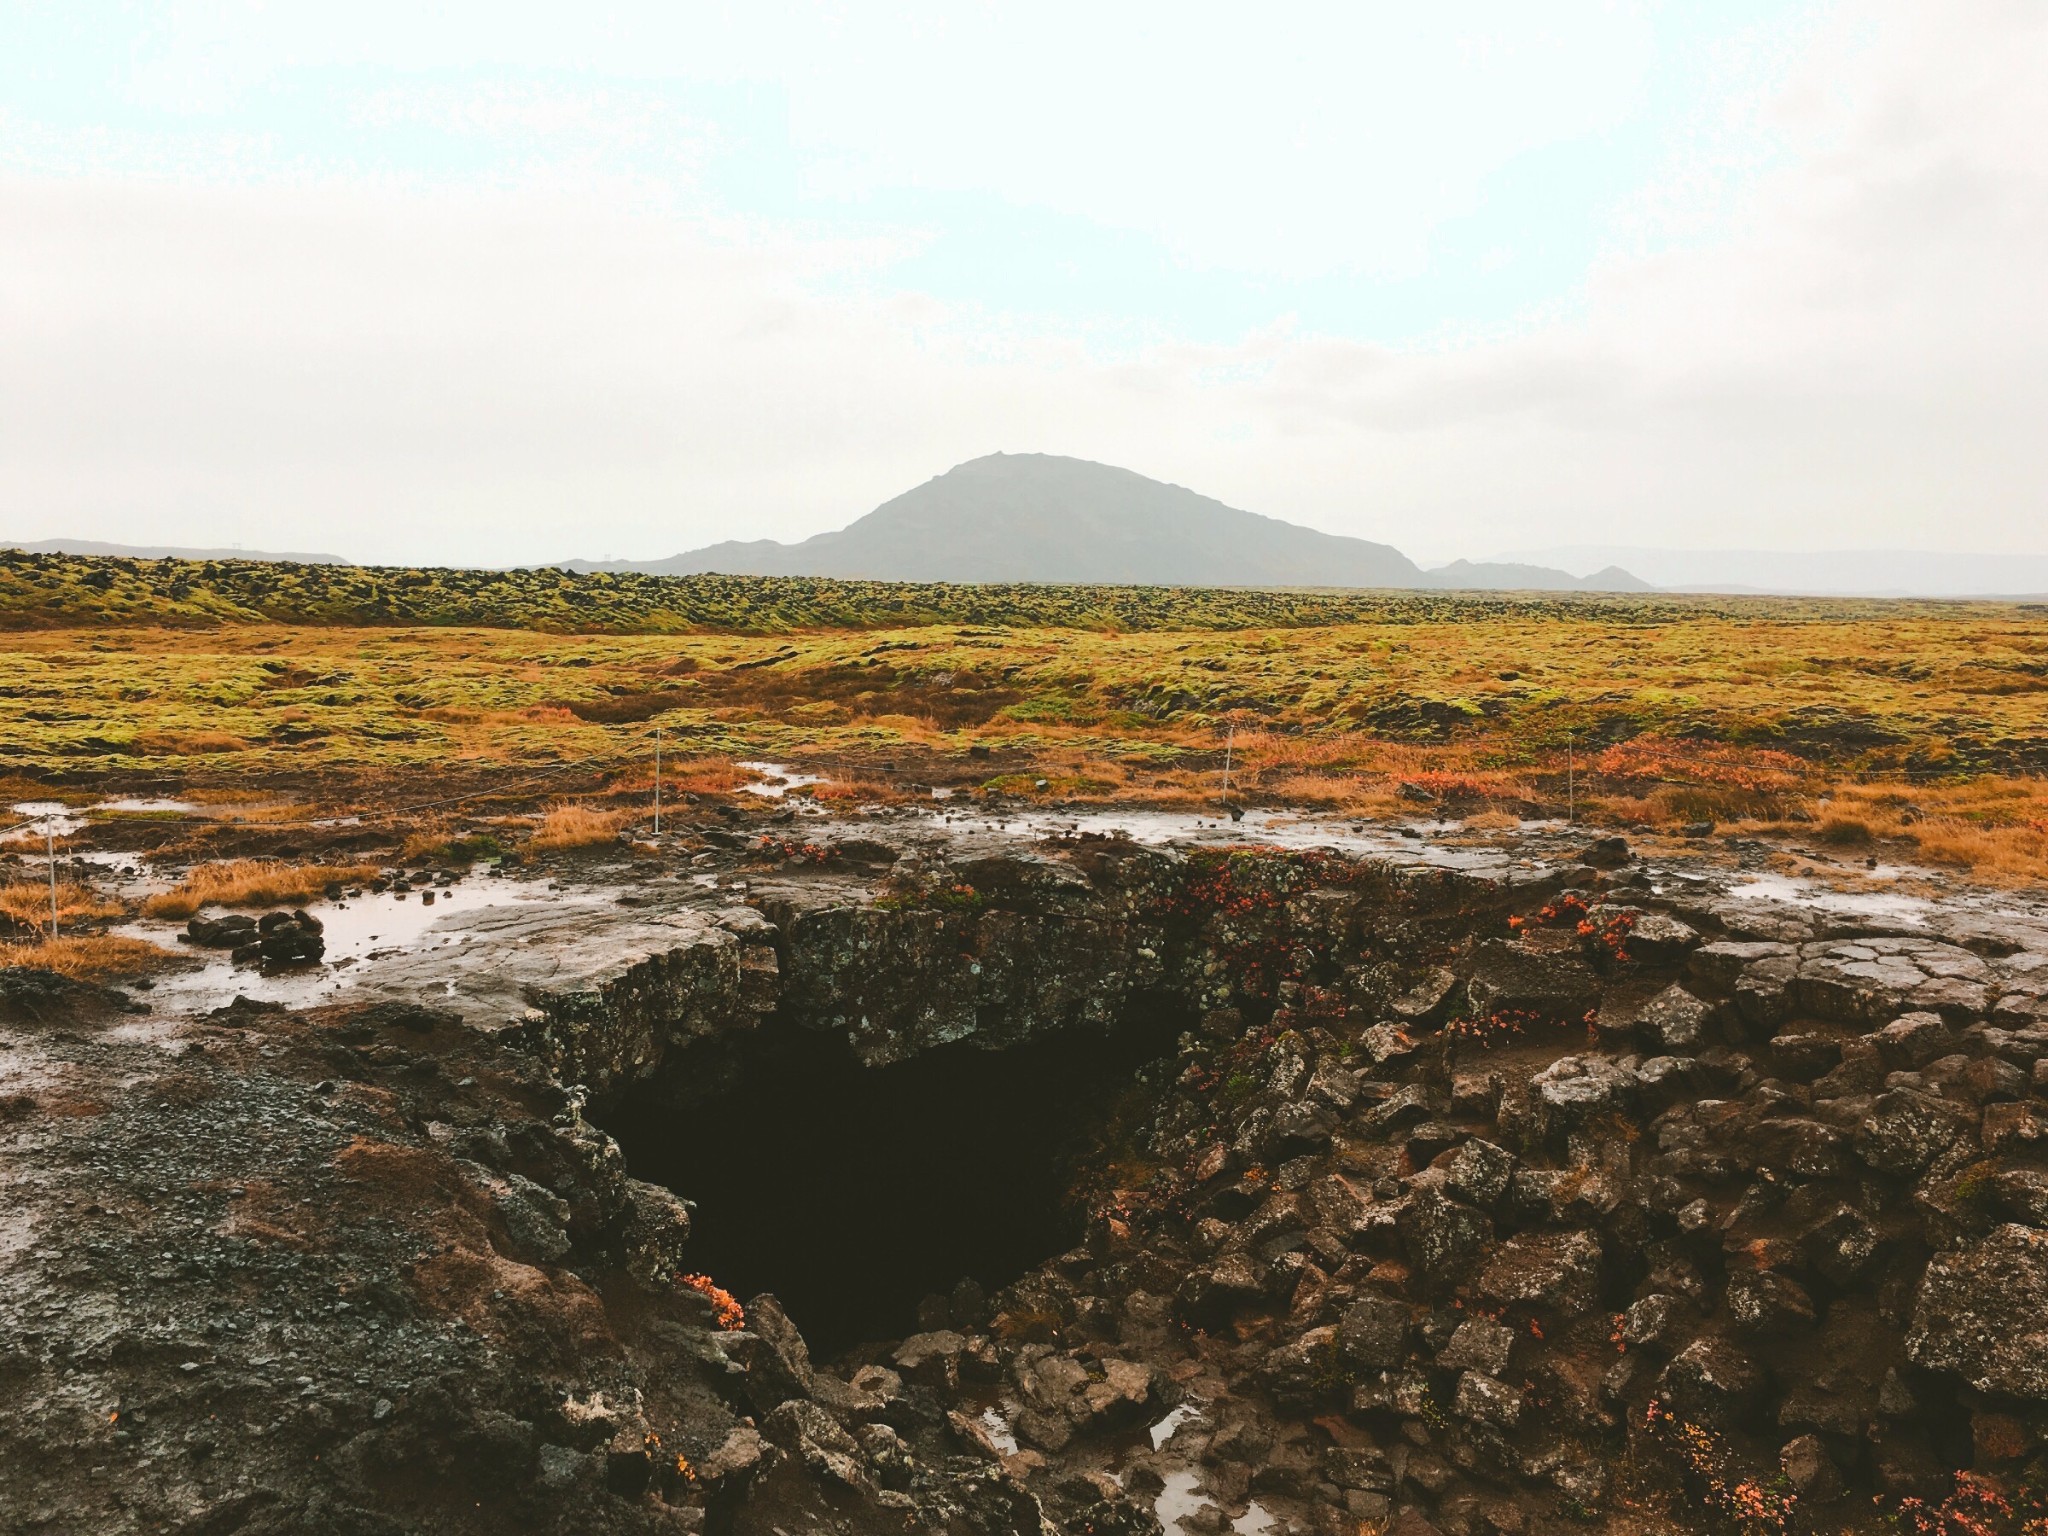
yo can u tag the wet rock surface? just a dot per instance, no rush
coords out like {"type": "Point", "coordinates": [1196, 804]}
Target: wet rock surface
{"type": "Point", "coordinates": [1630, 1213]}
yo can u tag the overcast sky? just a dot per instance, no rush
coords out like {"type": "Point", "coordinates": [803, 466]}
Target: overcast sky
{"type": "Point", "coordinates": [497, 282]}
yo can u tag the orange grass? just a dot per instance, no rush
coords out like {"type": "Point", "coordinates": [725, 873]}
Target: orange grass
{"type": "Point", "coordinates": [579, 826]}
{"type": "Point", "coordinates": [97, 954]}
{"type": "Point", "coordinates": [26, 903]}
{"type": "Point", "coordinates": [702, 776]}
{"type": "Point", "coordinates": [428, 839]}
{"type": "Point", "coordinates": [1753, 715]}
{"type": "Point", "coordinates": [1997, 828]}
{"type": "Point", "coordinates": [187, 743]}
{"type": "Point", "coordinates": [251, 883]}
{"type": "Point", "coordinates": [272, 814]}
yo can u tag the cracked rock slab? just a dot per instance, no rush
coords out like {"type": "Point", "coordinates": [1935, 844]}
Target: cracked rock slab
{"type": "Point", "coordinates": [1982, 1312]}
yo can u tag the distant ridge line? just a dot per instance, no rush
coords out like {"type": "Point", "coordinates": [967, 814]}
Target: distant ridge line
{"type": "Point", "coordinates": [165, 552]}
{"type": "Point", "coordinates": [1044, 518]}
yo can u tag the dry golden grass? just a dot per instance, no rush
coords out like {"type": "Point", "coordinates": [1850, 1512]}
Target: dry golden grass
{"type": "Point", "coordinates": [251, 883]}
{"type": "Point", "coordinates": [187, 743]}
{"type": "Point", "coordinates": [1997, 828]}
{"type": "Point", "coordinates": [100, 954]}
{"type": "Point", "coordinates": [1771, 717]}
{"type": "Point", "coordinates": [1492, 821]}
{"type": "Point", "coordinates": [843, 788]}
{"type": "Point", "coordinates": [1993, 827]}
{"type": "Point", "coordinates": [278, 813]}
{"type": "Point", "coordinates": [700, 776]}
{"type": "Point", "coordinates": [429, 839]}
{"type": "Point", "coordinates": [579, 826]}
{"type": "Point", "coordinates": [26, 903]}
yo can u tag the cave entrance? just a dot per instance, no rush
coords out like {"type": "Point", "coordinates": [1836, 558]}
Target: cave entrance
{"type": "Point", "coordinates": [853, 1192]}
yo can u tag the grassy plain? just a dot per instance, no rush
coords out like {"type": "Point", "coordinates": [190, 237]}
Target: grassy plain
{"type": "Point", "coordinates": [1917, 727]}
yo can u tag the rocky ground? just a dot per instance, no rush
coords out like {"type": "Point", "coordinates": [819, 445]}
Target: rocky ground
{"type": "Point", "coordinates": [1545, 1191]}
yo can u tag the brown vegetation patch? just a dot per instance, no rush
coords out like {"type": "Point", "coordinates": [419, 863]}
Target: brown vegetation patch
{"type": "Point", "coordinates": [183, 1090]}
{"type": "Point", "coordinates": [465, 1276]}
{"type": "Point", "coordinates": [71, 1107]}
{"type": "Point", "coordinates": [187, 743]}
{"type": "Point", "coordinates": [946, 699]}
{"type": "Point", "coordinates": [626, 708]}
{"type": "Point", "coordinates": [26, 904]}
{"type": "Point", "coordinates": [98, 954]}
{"type": "Point", "coordinates": [413, 1179]}
{"type": "Point", "coordinates": [265, 1214]}
{"type": "Point", "coordinates": [250, 883]}
{"type": "Point", "coordinates": [579, 826]}
{"type": "Point", "coordinates": [703, 776]}
{"type": "Point", "coordinates": [1844, 832]}
{"type": "Point", "coordinates": [556, 1317]}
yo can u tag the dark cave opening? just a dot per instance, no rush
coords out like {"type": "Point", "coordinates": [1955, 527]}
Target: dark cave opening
{"type": "Point", "coordinates": [852, 1192]}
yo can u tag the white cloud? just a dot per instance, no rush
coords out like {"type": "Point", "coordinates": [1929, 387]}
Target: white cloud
{"type": "Point", "coordinates": [1860, 360]}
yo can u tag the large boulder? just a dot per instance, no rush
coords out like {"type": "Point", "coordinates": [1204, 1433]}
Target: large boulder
{"type": "Point", "coordinates": [1906, 1130]}
{"type": "Point", "coordinates": [778, 1362]}
{"type": "Point", "coordinates": [1982, 1312]}
{"type": "Point", "coordinates": [1479, 1344]}
{"type": "Point", "coordinates": [1869, 980]}
{"type": "Point", "coordinates": [1442, 1237]}
{"type": "Point", "coordinates": [1676, 1021]}
{"type": "Point", "coordinates": [1211, 1294]}
{"type": "Point", "coordinates": [1764, 991]}
{"type": "Point", "coordinates": [1721, 965]}
{"type": "Point", "coordinates": [656, 1233]}
{"type": "Point", "coordinates": [230, 930]}
{"type": "Point", "coordinates": [1573, 1089]}
{"type": "Point", "coordinates": [1558, 1271]}
{"type": "Point", "coordinates": [1372, 1333]}
{"type": "Point", "coordinates": [1713, 1381]}
{"type": "Point", "coordinates": [1656, 939]}
{"type": "Point", "coordinates": [1478, 1173]}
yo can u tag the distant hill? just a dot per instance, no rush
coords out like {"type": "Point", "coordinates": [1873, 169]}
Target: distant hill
{"type": "Point", "coordinates": [166, 552]}
{"type": "Point", "coordinates": [1817, 573]}
{"type": "Point", "coordinates": [1499, 575]}
{"type": "Point", "coordinates": [1038, 517]}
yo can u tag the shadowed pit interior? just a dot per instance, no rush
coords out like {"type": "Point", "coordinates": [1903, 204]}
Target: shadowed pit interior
{"type": "Point", "coordinates": [851, 1192]}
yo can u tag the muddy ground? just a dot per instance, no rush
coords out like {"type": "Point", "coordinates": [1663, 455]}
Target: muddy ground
{"type": "Point", "coordinates": [1067, 1174]}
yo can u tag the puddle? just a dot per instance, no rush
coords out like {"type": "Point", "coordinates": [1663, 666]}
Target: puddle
{"type": "Point", "coordinates": [780, 779]}
{"type": "Point", "coordinates": [46, 818]}
{"type": "Point", "coordinates": [1808, 893]}
{"type": "Point", "coordinates": [1164, 1430]}
{"type": "Point", "coordinates": [54, 816]}
{"type": "Point", "coordinates": [1179, 1498]}
{"type": "Point", "coordinates": [999, 1433]}
{"type": "Point", "coordinates": [364, 928]}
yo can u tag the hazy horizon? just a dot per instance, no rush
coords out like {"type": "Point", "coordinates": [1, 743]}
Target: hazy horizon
{"type": "Point", "coordinates": [494, 287]}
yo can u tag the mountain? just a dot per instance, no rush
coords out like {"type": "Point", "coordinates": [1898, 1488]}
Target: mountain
{"type": "Point", "coordinates": [1040, 517]}
{"type": "Point", "coordinates": [1817, 573]}
{"type": "Point", "coordinates": [1037, 517]}
{"type": "Point", "coordinates": [152, 552]}
{"type": "Point", "coordinates": [1498, 575]}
